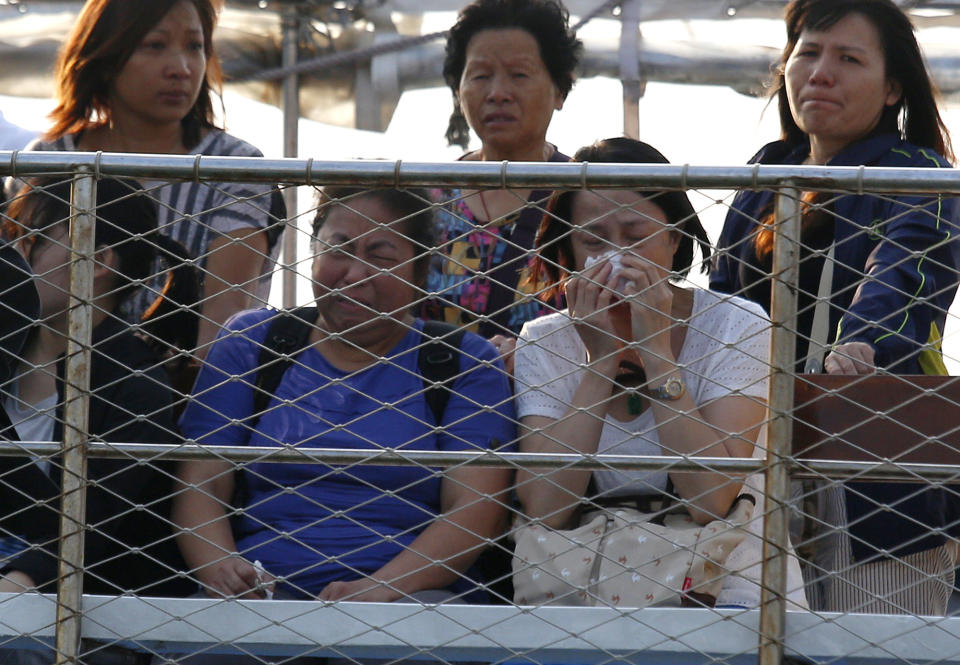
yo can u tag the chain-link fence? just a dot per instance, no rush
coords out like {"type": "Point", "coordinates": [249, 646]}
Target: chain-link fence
{"type": "Point", "coordinates": [633, 469]}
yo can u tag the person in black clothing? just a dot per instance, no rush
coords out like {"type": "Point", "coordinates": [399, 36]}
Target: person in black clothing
{"type": "Point", "coordinates": [131, 401]}
{"type": "Point", "coordinates": [19, 307]}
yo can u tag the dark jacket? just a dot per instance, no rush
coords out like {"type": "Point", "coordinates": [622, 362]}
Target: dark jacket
{"type": "Point", "coordinates": [128, 504]}
{"type": "Point", "coordinates": [19, 307]}
{"type": "Point", "coordinates": [894, 280]}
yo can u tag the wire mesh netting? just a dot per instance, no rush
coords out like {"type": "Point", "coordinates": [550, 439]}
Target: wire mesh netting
{"type": "Point", "coordinates": [511, 424]}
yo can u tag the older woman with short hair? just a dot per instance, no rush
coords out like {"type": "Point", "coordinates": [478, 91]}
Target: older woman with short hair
{"type": "Point", "coordinates": [510, 65]}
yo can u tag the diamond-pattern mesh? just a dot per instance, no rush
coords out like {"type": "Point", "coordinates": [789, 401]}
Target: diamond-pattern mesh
{"type": "Point", "coordinates": [380, 524]}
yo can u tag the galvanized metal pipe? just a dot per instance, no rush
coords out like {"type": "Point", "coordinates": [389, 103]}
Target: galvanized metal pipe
{"type": "Point", "coordinates": [630, 67]}
{"type": "Point", "coordinates": [783, 315]}
{"type": "Point", "coordinates": [530, 175]}
{"type": "Point", "coordinates": [807, 468]}
{"type": "Point", "coordinates": [83, 199]}
{"type": "Point", "coordinates": [291, 125]}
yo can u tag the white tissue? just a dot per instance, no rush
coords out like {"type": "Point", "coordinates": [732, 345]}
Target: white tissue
{"type": "Point", "coordinates": [259, 569]}
{"type": "Point", "coordinates": [616, 260]}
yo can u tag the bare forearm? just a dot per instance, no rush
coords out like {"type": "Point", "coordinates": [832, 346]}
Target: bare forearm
{"type": "Point", "coordinates": [218, 306]}
{"type": "Point", "coordinates": [233, 266]}
{"type": "Point", "coordinates": [685, 429]}
{"type": "Point", "coordinates": [554, 495]}
{"type": "Point", "coordinates": [205, 536]}
{"type": "Point", "coordinates": [445, 549]}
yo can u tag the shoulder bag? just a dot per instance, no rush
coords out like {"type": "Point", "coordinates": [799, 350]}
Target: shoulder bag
{"type": "Point", "coordinates": [628, 557]}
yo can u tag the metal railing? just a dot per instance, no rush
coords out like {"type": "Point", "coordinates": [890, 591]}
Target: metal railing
{"type": "Point", "coordinates": [490, 633]}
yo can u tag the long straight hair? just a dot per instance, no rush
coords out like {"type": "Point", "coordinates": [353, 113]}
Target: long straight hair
{"type": "Point", "coordinates": [104, 37]}
{"type": "Point", "coordinates": [916, 116]}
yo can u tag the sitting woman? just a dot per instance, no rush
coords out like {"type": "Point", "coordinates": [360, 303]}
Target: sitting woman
{"type": "Point", "coordinates": [636, 365]}
{"type": "Point", "coordinates": [351, 532]}
{"type": "Point", "coordinates": [131, 401]}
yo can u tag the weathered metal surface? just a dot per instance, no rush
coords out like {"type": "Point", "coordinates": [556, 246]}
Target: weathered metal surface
{"type": "Point", "coordinates": [83, 200]}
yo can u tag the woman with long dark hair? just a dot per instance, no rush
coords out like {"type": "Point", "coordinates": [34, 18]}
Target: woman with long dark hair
{"type": "Point", "coordinates": [142, 77]}
{"type": "Point", "coordinates": [131, 401]}
{"type": "Point", "coordinates": [637, 364]}
{"type": "Point", "coordinates": [852, 90]}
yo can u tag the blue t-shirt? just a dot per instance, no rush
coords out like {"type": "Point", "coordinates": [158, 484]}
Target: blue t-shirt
{"type": "Point", "coordinates": [314, 523]}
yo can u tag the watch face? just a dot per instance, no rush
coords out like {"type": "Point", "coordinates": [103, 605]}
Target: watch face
{"type": "Point", "coordinates": [674, 388]}
{"type": "Point", "coordinates": [671, 390]}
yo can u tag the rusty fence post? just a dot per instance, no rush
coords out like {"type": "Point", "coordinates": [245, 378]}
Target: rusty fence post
{"type": "Point", "coordinates": [83, 199]}
{"type": "Point", "coordinates": [783, 314]}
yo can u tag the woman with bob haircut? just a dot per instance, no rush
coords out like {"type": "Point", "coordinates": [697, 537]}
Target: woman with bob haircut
{"type": "Point", "coordinates": [852, 90]}
{"type": "Point", "coordinates": [510, 65]}
{"type": "Point", "coordinates": [636, 364]}
{"type": "Point", "coordinates": [348, 532]}
{"type": "Point", "coordinates": [141, 77]}
{"type": "Point", "coordinates": [127, 548]}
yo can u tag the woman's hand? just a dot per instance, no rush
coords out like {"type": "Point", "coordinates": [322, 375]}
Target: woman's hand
{"type": "Point", "coordinates": [234, 577]}
{"type": "Point", "coordinates": [364, 590]}
{"type": "Point", "coordinates": [851, 358]}
{"type": "Point", "coordinates": [590, 298]}
{"type": "Point", "coordinates": [505, 347]}
{"type": "Point", "coordinates": [16, 581]}
{"type": "Point", "coordinates": [651, 302]}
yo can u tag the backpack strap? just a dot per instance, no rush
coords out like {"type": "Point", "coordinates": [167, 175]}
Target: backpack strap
{"type": "Point", "coordinates": [287, 335]}
{"type": "Point", "coordinates": [439, 363]}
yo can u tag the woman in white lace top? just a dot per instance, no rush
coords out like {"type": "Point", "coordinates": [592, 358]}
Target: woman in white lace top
{"type": "Point", "coordinates": [637, 364]}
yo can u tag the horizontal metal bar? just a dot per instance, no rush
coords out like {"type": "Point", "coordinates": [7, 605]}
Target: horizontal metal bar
{"type": "Point", "coordinates": [489, 633]}
{"type": "Point", "coordinates": [801, 468]}
{"type": "Point", "coordinates": [545, 175]}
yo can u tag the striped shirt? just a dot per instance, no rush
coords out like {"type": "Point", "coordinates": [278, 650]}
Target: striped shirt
{"type": "Point", "coordinates": [196, 213]}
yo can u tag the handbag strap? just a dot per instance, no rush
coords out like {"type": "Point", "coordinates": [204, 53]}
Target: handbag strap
{"type": "Point", "coordinates": [820, 330]}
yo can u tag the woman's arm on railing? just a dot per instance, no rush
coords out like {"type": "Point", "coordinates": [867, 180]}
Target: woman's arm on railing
{"type": "Point", "coordinates": [205, 537]}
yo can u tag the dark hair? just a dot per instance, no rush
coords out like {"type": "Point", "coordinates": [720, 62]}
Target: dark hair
{"type": "Point", "coordinates": [104, 37]}
{"type": "Point", "coordinates": [554, 259]}
{"type": "Point", "coordinates": [547, 21]}
{"type": "Point", "coordinates": [915, 116]}
{"type": "Point", "coordinates": [412, 207]}
{"type": "Point", "coordinates": [127, 224]}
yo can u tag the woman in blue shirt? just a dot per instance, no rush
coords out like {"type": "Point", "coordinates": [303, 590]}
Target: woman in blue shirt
{"type": "Point", "coordinates": [352, 532]}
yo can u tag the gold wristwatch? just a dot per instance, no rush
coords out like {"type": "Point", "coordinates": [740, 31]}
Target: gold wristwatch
{"type": "Point", "coordinates": [670, 391]}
